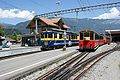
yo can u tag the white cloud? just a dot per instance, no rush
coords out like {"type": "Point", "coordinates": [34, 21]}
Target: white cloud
{"type": "Point", "coordinates": [114, 13]}
{"type": "Point", "coordinates": [16, 13]}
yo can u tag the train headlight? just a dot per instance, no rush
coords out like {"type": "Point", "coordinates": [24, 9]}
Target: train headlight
{"type": "Point", "coordinates": [46, 43]}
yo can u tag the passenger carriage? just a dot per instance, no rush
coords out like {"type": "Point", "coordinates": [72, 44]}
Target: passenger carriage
{"type": "Point", "coordinates": [56, 39]}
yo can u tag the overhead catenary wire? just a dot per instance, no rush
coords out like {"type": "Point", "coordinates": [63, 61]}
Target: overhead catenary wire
{"type": "Point", "coordinates": [95, 7]}
{"type": "Point", "coordinates": [9, 4]}
{"type": "Point", "coordinates": [38, 4]}
{"type": "Point", "coordinates": [12, 6]}
{"type": "Point", "coordinates": [103, 30]}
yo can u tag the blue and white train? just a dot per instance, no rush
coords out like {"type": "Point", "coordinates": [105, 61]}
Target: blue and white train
{"type": "Point", "coordinates": [56, 39]}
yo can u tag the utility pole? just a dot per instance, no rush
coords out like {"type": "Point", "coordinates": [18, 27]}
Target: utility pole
{"type": "Point", "coordinates": [110, 34]}
{"type": "Point", "coordinates": [36, 25]}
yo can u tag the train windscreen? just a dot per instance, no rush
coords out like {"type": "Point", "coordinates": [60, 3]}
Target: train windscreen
{"type": "Point", "coordinates": [81, 36]}
{"type": "Point", "coordinates": [91, 36]}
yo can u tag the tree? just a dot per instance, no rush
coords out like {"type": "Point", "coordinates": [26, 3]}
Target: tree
{"type": "Point", "coordinates": [1, 30]}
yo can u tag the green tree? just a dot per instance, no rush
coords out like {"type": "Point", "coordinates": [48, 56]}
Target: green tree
{"type": "Point", "coordinates": [1, 30]}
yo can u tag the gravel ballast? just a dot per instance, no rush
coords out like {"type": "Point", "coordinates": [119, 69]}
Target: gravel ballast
{"type": "Point", "coordinates": [106, 69]}
{"type": "Point", "coordinates": [96, 72]}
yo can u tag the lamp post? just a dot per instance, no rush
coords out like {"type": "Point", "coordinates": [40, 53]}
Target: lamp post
{"type": "Point", "coordinates": [65, 36]}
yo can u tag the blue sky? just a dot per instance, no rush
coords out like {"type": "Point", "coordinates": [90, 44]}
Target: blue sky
{"type": "Point", "coordinates": [35, 7]}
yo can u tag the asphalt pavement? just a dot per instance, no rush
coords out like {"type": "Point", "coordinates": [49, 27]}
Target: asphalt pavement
{"type": "Point", "coordinates": [17, 65]}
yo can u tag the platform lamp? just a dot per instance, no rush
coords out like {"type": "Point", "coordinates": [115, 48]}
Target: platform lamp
{"type": "Point", "coordinates": [65, 36]}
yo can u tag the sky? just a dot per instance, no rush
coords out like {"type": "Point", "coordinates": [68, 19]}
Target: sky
{"type": "Point", "coordinates": [15, 11]}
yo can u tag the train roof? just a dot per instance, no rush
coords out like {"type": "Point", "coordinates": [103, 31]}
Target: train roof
{"type": "Point", "coordinates": [61, 31]}
{"type": "Point", "coordinates": [87, 31]}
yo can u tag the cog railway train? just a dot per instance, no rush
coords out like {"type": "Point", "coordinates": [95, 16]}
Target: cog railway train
{"type": "Point", "coordinates": [90, 40]}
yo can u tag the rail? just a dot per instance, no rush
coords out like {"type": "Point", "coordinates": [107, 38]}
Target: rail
{"type": "Point", "coordinates": [54, 72]}
{"type": "Point", "coordinates": [75, 67]}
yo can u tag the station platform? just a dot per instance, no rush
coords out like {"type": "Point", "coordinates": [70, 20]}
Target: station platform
{"type": "Point", "coordinates": [17, 49]}
{"type": "Point", "coordinates": [13, 66]}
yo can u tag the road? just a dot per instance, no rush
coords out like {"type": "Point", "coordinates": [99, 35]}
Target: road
{"type": "Point", "coordinates": [13, 66]}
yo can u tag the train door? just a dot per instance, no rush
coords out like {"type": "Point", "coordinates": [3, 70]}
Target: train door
{"type": "Point", "coordinates": [69, 40]}
{"type": "Point", "coordinates": [55, 37]}
{"type": "Point", "coordinates": [91, 35]}
{"type": "Point", "coordinates": [81, 35]}
{"type": "Point", "coordinates": [81, 43]}
{"type": "Point", "coordinates": [86, 38]}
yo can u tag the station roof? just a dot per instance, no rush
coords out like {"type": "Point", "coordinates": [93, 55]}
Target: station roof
{"type": "Point", "coordinates": [113, 32]}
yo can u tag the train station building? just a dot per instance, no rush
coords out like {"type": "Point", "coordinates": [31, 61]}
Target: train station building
{"type": "Point", "coordinates": [44, 24]}
{"type": "Point", "coordinates": [115, 34]}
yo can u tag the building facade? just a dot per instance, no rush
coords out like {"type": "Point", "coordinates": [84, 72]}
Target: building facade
{"type": "Point", "coordinates": [46, 24]}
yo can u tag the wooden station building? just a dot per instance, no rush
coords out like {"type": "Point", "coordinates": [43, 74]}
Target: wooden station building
{"type": "Point", "coordinates": [46, 24]}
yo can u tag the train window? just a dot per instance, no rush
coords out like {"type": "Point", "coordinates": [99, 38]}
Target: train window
{"type": "Point", "coordinates": [45, 35]}
{"type": "Point", "coordinates": [81, 36]}
{"type": "Point", "coordinates": [69, 37]}
{"type": "Point", "coordinates": [42, 35]}
{"type": "Point", "coordinates": [75, 37]}
{"type": "Point", "coordinates": [101, 37]}
{"type": "Point", "coordinates": [96, 36]}
{"type": "Point", "coordinates": [55, 35]}
{"type": "Point", "coordinates": [86, 34]}
{"type": "Point", "coordinates": [91, 36]}
{"type": "Point", "coordinates": [60, 36]}
{"type": "Point", "coordinates": [49, 35]}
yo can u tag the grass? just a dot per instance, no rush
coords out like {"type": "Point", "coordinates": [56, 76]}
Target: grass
{"type": "Point", "coordinates": [119, 66]}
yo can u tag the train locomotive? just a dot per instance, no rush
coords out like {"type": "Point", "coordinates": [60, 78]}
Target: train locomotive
{"type": "Point", "coordinates": [90, 40]}
{"type": "Point", "coordinates": [57, 39]}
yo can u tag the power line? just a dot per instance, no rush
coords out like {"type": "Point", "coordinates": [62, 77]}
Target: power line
{"type": "Point", "coordinates": [9, 4]}
{"type": "Point", "coordinates": [37, 3]}
{"type": "Point", "coordinates": [87, 8]}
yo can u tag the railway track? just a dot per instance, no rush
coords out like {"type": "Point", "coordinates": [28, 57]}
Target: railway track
{"type": "Point", "coordinates": [75, 68]}
{"type": "Point", "coordinates": [52, 74]}
{"type": "Point", "coordinates": [24, 74]}
{"type": "Point", "coordinates": [87, 64]}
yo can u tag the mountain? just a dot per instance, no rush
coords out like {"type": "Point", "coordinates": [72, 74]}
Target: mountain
{"type": "Point", "coordinates": [99, 25]}
{"type": "Point", "coordinates": [10, 29]}
{"type": "Point", "coordinates": [5, 25]}
{"type": "Point", "coordinates": [22, 26]}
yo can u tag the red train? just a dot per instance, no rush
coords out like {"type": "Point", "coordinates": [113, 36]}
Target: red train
{"type": "Point", "coordinates": [90, 40]}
